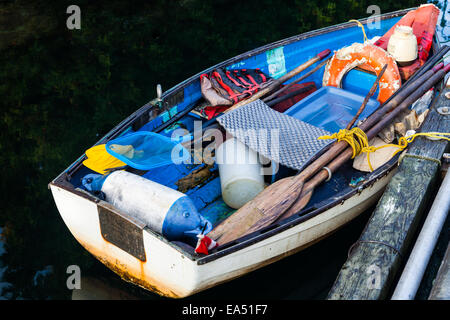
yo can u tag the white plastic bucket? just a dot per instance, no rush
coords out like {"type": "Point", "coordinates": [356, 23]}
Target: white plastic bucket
{"type": "Point", "coordinates": [241, 174]}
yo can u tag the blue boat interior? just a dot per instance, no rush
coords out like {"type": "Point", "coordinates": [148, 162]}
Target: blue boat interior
{"type": "Point", "coordinates": [275, 62]}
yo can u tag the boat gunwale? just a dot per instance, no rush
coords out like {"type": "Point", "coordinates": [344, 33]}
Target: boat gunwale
{"type": "Point", "coordinates": [61, 180]}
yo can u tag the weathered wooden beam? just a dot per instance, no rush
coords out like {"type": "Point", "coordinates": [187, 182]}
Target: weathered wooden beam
{"type": "Point", "coordinates": [375, 259]}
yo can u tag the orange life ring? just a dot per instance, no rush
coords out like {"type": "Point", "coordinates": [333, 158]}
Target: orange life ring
{"type": "Point", "coordinates": [369, 57]}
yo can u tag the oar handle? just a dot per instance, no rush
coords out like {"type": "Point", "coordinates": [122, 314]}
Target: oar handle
{"type": "Point", "coordinates": [346, 154]}
{"type": "Point", "coordinates": [366, 99]}
{"type": "Point", "coordinates": [301, 67]}
{"type": "Point", "coordinates": [303, 77]}
{"type": "Point", "coordinates": [388, 118]}
{"type": "Point", "coordinates": [446, 68]}
{"type": "Point", "coordinates": [413, 89]}
{"type": "Point", "coordinates": [323, 54]}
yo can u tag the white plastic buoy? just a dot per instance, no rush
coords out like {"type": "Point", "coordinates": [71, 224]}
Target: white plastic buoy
{"type": "Point", "coordinates": [241, 174]}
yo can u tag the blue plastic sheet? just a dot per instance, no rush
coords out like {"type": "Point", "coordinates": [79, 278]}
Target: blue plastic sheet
{"type": "Point", "coordinates": [145, 150]}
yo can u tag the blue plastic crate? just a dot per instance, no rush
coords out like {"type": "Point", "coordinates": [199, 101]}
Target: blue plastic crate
{"type": "Point", "coordinates": [331, 108]}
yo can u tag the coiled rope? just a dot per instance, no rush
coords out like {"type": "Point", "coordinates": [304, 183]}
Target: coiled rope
{"type": "Point", "coordinates": [358, 141]}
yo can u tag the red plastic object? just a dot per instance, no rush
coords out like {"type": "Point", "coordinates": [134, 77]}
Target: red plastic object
{"type": "Point", "coordinates": [423, 22]}
{"type": "Point", "coordinates": [286, 104]}
{"type": "Point", "coordinates": [324, 53]}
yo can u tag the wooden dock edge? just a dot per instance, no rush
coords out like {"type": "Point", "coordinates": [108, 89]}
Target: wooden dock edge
{"type": "Point", "coordinates": [375, 259]}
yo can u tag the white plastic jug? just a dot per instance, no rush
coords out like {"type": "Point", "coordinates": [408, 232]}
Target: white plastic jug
{"type": "Point", "coordinates": [403, 45]}
{"type": "Point", "coordinates": [241, 175]}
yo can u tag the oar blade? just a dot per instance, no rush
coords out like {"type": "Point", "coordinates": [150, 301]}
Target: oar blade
{"type": "Point", "coordinates": [265, 208]}
{"type": "Point", "coordinates": [301, 203]}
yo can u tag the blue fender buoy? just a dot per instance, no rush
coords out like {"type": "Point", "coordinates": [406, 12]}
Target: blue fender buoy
{"type": "Point", "coordinates": [164, 210]}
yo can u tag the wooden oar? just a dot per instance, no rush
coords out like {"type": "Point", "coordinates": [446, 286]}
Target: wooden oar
{"type": "Point", "coordinates": [290, 95]}
{"type": "Point", "coordinates": [280, 80]}
{"type": "Point", "coordinates": [366, 99]}
{"type": "Point", "coordinates": [277, 198]}
{"type": "Point", "coordinates": [309, 186]}
{"type": "Point", "coordinates": [306, 75]}
{"type": "Point", "coordinates": [307, 189]}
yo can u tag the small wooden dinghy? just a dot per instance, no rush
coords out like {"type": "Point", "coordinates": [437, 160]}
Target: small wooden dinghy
{"type": "Point", "coordinates": [143, 256]}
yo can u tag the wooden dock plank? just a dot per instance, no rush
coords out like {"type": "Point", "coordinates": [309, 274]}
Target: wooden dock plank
{"type": "Point", "coordinates": [375, 260]}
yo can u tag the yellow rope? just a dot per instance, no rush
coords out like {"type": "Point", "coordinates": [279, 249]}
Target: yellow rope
{"type": "Point", "coordinates": [359, 143]}
{"type": "Point", "coordinates": [403, 143]}
{"type": "Point", "coordinates": [355, 137]}
{"type": "Point", "coordinates": [362, 27]}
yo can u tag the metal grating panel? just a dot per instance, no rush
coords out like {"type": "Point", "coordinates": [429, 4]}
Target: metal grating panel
{"type": "Point", "coordinates": [276, 136]}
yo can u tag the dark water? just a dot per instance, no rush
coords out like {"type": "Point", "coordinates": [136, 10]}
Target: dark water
{"type": "Point", "coordinates": [62, 90]}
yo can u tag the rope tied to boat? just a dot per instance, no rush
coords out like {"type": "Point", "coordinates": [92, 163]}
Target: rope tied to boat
{"type": "Point", "coordinates": [362, 28]}
{"type": "Point", "coordinates": [437, 161]}
{"type": "Point", "coordinates": [396, 250]}
{"type": "Point", "coordinates": [355, 137]}
{"type": "Point", "coordinates": [404, 141]}
{"type": "Point", "coordinates": [358, 141]}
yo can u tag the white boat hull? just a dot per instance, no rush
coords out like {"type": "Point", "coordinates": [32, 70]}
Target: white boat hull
{"type": "Point", "coordinates": [169, 272]}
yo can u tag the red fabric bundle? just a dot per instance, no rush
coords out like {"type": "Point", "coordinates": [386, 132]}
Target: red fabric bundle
{"type": "Point", "coordinates": [423, 22]}
{"type": "Point", "coordinates": [282, 106]}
